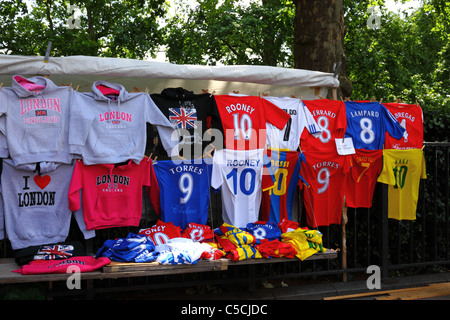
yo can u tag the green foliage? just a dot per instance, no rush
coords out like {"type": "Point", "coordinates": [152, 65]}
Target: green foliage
{"type": "Point", "coordinates": [225, 32]}
{"type": "Point", "coordinates": [406, 58]}
{"type": "Point", "coordinates": [101, 28]}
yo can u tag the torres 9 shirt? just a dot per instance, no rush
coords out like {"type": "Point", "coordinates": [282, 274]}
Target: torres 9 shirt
{"type": "Point", "coordinates": [244, 120]}
{"type": "Point", "coordinates": [361, 180]}
{"type": "Point", "coordinates": [184, 191]}
{"type": "Point", "coordinates": [410, 117]}
{"type": "Point", "coordinates": [325, 172]}
{"type": "Point", "coordinates": [402, 171]}
{"type": "Point", "coordinates": [367, 124]}
{"type": "Point", "coordinates": [331, 119]}
{"type": "Point", "coordinates": [283, 169]}
{"type": "Point", "coordinates": [239, 175]}
{"type": "Point", "coordinates": [301, 118]}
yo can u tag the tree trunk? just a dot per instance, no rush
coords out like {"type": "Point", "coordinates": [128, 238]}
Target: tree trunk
{"type": "Point", "coordinates": [319, 31]}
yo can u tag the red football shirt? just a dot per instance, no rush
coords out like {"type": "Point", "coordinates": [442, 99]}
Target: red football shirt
{"type": "Point", "coordinates": [410, 117]}
{"type": "Point", "coordinates": [244, 120]}
{"type": "Point", "coordinates": [325, 172]}
{"type": "Point", "coordinates": [331, 118]}
{"type": "Point", "coordinates": [360, 183]}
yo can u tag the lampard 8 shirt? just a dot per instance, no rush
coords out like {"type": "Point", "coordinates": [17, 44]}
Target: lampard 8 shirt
{"type": "Point", "coordinates": [184, 191]}
{"type": "Point", "coordinates": [331, 119]}
{"type": "Point", "coordinates": [410, 117]}
{"type": "Point", "coordinates": [323, 198]}
{"type": "Point", "coordinates": [244, 120]}
{"type": "Point", "coordinates": [367, 124]}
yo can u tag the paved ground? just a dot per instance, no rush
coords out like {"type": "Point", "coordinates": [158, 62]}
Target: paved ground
{"type": "Point", "coordinates": [307, 291]}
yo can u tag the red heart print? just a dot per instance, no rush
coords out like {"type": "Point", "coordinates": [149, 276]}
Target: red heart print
{"type": "Point", "coordinates": [42, 181]}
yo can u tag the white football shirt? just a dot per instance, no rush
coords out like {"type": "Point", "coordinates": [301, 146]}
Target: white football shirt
{"type": "Point", "coordinates": [301, 118]}
{"type": "Point", "coordinates": [239, 175]}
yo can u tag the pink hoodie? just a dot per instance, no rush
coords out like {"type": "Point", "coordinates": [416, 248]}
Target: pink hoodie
{"type": "Point", "coordinates": [111, 195]}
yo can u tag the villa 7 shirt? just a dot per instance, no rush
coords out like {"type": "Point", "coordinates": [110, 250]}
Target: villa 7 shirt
{"type": "Point", "coordinates": [331, 118]}
{"type": "Point", "coordinates": [301, 118]}
{"type": "Point", "coordinates": [244, 120]}
{"type": "Point", "coordinates": [184, 191]}
{"type": "Point", "coordinates": [239, 175]}
{"type": "Point", "coordinates": [323, 198]}
{"type": "Point", "coordinates": [410, 117]}
{"type": "Point", "coordinates": [367, 124]}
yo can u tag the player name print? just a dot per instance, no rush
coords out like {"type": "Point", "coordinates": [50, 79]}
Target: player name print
{"type": "Point", "coordinates": [324, 164]}
{"type": "Point", "coordinates": [365, 113]}
{"type": "Point", "coordinates": [186, 168]}
{"type": "Point", "coordinates": [38, 109]}
{"type": "Point", "coordinates": [404, 115]}
{"type": "Point", "coordinates": [243, 162]}
{"type": "Point", "coordinates": [239, 107]}
{"type": "Point", "coordinates": [320, 112]}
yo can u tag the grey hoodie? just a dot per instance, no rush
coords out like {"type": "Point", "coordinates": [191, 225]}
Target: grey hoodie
{"type": "Point", "coordinates": [37, 121]}
{"type": "Point", "coordinates": [108, 128]}
{"type": "Point", "coordinates": [36, 204]}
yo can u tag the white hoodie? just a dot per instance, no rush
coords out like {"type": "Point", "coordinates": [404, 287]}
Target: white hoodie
{"type": "Point", "coordinates": [110, 126]}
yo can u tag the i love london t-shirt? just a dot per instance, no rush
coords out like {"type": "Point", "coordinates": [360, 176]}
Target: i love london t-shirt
{"type": "Point", "coordinates": [244, 120]}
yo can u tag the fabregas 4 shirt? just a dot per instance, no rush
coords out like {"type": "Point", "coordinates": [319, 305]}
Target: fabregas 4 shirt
{"type": "Point", "coordinates": [239, 175]}
{"type": "Point", "coordinates": [184, 191]}
{"type": "Point", "coordinates": [36, 205]}
{"type": "Point", "coordinates": [402, 171]}
{"type": "Point", "coordinates": [37, 120]}
{"type": "Point", "coordinates": [301, 118]}
{"type": "Point", "coordinates": [323, 198]}
{"type": "Point", "coordinates": [367, 124]}
{"type": "Point", "coordinates": [111, 195]}
{"type": "Point", "coordinates": [331, 119]}
{"type": "Point", "coordinates": [244, 120]}
{"type": "Point", "coordinates": [108, 125]}
{"type": "Point", "coordinates": [410, 117]}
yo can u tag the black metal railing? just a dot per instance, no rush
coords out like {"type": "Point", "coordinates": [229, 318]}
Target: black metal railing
{"type": "Point", "coordinates": [369, 237]}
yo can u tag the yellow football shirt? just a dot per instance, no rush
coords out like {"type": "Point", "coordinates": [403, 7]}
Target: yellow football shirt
{"type": "Point", "coordinates": [402, 171]}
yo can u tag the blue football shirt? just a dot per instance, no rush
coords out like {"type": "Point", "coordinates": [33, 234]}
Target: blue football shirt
{"type": "Point", "coordinates": [367, 124]}
{"type": "Point", "coordinates": [184, 191]}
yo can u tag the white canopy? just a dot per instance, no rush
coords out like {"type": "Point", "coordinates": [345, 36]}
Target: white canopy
{"type": "Point", "coordinates": [154, 76]}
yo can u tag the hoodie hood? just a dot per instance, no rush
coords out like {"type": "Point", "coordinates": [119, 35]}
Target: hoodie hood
{"type": "Point", "coordinates": [39, 167]}
{"type": "Point", "coordinates": [102, 89]}
{"type": "Point", "coordinates": [34, 86]}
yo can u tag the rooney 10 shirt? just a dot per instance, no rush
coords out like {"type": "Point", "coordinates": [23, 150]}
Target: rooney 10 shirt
{"type": "Point", "coordinates": [244, 120]}
{"type": "Point", "coordinates": [239, 175]}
